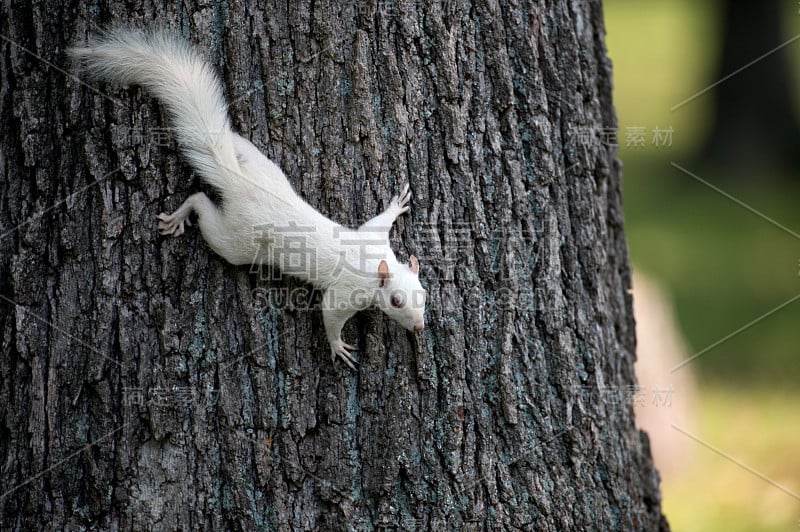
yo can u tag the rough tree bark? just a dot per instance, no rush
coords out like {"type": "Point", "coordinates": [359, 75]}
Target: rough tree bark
{"type": "Point", "coordinates": [147, 384]}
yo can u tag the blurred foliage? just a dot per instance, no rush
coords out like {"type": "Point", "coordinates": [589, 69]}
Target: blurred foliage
{"type": "Point", "coordinates": [724, 266]}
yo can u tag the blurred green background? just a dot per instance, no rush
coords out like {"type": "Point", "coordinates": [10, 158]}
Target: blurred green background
{"type": "Point", "coordinates": [723, 265]}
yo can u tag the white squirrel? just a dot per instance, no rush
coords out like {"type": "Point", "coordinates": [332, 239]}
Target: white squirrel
{"type": "Point", "coordinates": [261, 217]}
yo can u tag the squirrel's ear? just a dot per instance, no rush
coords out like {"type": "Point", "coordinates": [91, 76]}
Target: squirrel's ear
{"type": "Point", "coordinates": [383, 273]}
{"type": "Point", "coordinates": [414, 265]}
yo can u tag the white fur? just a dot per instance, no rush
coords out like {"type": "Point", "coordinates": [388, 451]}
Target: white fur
{"type": "Point", "coordinates": [263, 220]}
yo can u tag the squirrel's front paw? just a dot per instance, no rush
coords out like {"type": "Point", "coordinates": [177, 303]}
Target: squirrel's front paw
{"type": "Point", "coordinates": [172, 224]}
{"type": "Point", "coordinates": [401, 203]}
{"type": "Point", "coordinates": [340, 349]}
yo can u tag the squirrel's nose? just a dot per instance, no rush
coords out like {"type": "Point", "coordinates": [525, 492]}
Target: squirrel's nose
{"type": "Point", "coordinates": [419, 326]}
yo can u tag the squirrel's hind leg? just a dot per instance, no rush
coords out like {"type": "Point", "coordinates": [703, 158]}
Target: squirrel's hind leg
{"type": "Point", "coordinates": [213, 224]}
{"type": "Point", "coordinates": [173, 224]}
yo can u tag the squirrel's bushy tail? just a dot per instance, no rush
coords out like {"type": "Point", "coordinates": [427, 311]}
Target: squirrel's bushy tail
{"type": "Point", "coordinates": [181, 80]}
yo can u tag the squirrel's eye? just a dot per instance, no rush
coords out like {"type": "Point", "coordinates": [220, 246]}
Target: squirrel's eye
{"type": "Point", "coordinates": [397, 300]}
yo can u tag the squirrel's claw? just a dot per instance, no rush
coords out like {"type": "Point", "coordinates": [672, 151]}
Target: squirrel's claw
{"type": "Point", "coordinates": [340, 349]}
{"type": "Point", "coordinates": [171, 224]}
{"type": "Point", "coordinates": [401, 202]}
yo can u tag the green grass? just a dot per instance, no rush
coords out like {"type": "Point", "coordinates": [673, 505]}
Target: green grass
{"type": "Point", "coordinates": [715, 493]}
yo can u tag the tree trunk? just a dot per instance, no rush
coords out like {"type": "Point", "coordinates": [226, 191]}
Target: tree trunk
{"type": "Point", "coordinates": [148, 384]}
{"type": "Point", "coordinates": [754, 132]}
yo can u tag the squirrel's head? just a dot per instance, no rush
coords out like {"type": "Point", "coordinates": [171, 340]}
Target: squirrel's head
{"type": "Point", "coordinates": [401, 295]}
